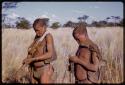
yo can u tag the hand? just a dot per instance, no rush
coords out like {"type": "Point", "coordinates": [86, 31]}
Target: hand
{"type": "Point", "coordinates": [73, 59]}
{"type": "Point", "coordinates": [24, 61]}
{"type": "Point", "coordinates": [27, 61]}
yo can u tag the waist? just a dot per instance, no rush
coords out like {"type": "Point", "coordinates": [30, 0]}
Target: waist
{"type": "Point", "coordinates": [41, 66]}
{"type": "Point", "coordinates": [40, 63]}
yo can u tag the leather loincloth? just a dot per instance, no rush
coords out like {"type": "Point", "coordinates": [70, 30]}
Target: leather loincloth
{"type": "Point", "coordinates": [39, 72]}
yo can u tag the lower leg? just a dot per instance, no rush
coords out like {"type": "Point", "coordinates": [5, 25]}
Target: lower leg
{"type": "Point", "coordinates": [34, 80]}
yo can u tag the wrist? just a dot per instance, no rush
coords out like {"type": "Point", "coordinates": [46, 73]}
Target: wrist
{"type": "Point", "coordinates": [35, 59]}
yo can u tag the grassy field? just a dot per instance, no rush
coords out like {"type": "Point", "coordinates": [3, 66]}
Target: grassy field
{"type": "Point", "coordinates": [110, 41]}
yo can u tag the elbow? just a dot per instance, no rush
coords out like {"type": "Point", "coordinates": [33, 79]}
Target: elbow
{"type": "Point", "coordinates": [49, 55]}
{"type": "Point", "coordinates": [95, 68]}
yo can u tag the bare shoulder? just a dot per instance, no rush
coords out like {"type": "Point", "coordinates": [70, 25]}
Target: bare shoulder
{"type": "Point", "coordinates": [49, 37]}
{"type": "Point", "coordinates": [84, 52]}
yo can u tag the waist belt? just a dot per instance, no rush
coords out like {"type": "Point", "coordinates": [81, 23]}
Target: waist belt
{"type": "Point", "coordinates": [41, 65]}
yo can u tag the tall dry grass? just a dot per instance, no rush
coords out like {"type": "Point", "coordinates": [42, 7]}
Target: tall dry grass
{"type": "Point", "coordinates": [110, 41]}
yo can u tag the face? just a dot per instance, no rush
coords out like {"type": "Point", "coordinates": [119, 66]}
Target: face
{"type": "Point", "coordinates": [76, 36]}
{"type": "Point", "coordinates": [39, 29]}
{"type": "Point", "coordinates": [79, 37]}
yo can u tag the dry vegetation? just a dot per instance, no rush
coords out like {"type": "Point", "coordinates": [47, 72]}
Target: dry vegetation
{"type": "Point", "coordinates": [110, 41]}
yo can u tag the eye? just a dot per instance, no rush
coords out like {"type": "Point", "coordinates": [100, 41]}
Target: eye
{"type": "Point", "coordinates": [35, 30]}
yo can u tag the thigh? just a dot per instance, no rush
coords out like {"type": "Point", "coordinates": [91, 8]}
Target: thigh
{"type": "Point", "coordinates": [47, 74]}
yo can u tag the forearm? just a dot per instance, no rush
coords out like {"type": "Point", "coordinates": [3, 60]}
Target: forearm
{"type": "Point", "coordinates": [29, 56]}
{"type": "Point", "coordinates": [88, 66]}
{"type": "Point", "coordinates": [42, 57]}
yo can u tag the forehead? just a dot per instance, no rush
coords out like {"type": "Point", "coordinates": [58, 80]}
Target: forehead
{"type": "Point", "coordinates": [38, 27]}
{"type": "Point", "coordinates": [39, 24]}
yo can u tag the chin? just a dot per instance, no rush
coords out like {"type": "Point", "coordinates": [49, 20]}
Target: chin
{"type": "Point", "coordinates": [38, 35]}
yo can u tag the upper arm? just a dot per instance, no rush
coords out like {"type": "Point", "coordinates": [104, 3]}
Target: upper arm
{"type": "Point", "coordinates": [95, 59]}
{"type": "Point", "coordinates": [93, 55]}
{"type": "Point", "coordinates": [85, 53]}
{"type": "Point", "coordinates": [50, 43]}
{"type": "Point", "coordinates": [93, 64]}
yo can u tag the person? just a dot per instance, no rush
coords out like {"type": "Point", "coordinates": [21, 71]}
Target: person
{"type": "Point", "coordinates": [86, 60]}
{"type": "Point", "coordinates": [41, 53]}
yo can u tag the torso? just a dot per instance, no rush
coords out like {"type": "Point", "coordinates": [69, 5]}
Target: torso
{"type": "Point", "coordinates": [81, 72]}
{"type": "Point", "coordinates": [39, 51]}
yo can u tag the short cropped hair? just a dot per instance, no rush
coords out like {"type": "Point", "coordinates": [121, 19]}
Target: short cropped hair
{"type": "Point", "coordinates": [42, 22]}
{"type": "Point", "coordinates": [80, 28]}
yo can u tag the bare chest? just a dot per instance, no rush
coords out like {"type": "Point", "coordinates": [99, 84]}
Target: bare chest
{"type": "Point", "coordinates": [40, 49]}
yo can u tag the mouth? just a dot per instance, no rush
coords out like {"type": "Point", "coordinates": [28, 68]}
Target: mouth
{"type": "Point", "coordinates": [38, 35]}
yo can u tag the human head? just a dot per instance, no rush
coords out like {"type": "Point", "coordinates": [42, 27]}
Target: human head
{"type": "Point", "coordinates": [80, 32]}
{"type": "Point", "coordinates": [40, 26]}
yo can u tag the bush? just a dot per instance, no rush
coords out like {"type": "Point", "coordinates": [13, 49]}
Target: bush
{"type": "Point", "coordinates": [55, 25]}
{"type": "Point", "coordinates": [23, 24]}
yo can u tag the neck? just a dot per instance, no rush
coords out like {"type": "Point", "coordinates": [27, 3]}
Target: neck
{"type": "Point", "coordinates": [42, 34]}
{"type": "Point", "coordinates": [83, 40]}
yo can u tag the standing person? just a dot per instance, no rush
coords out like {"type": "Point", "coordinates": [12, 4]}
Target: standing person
{"type": "Point", "coordinates": [41, 53]}
{"type": "Point", "coordinates": [86, 60]}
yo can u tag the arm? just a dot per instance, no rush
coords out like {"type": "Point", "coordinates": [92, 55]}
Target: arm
{"type": "Point", "coordinates": [28, 55]}
{"type": "Point", "coordinates": [48, 54]}
{"type": "Point", "coordinates": [90, 66]}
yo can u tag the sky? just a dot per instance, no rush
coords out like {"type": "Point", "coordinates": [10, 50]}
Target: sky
{"type": "Point", "coordinates": [65, 11]}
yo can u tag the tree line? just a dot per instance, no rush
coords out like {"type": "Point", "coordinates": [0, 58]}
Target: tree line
{"type": "Point", "coordinates": [23, 23]}
{"type": "Point", "coordinates": [117, 21]}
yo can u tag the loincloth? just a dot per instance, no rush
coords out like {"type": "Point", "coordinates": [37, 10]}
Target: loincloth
{"type": "Point", "coordinates": [91, 78]}
{"type": "Point", "coordinates": [39, 72]}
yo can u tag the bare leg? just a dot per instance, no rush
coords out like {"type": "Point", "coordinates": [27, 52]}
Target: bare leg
{"type": "Point", "coordinates": [47, 74]}
{"type": "Point", "coordinates": [34, 81]}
